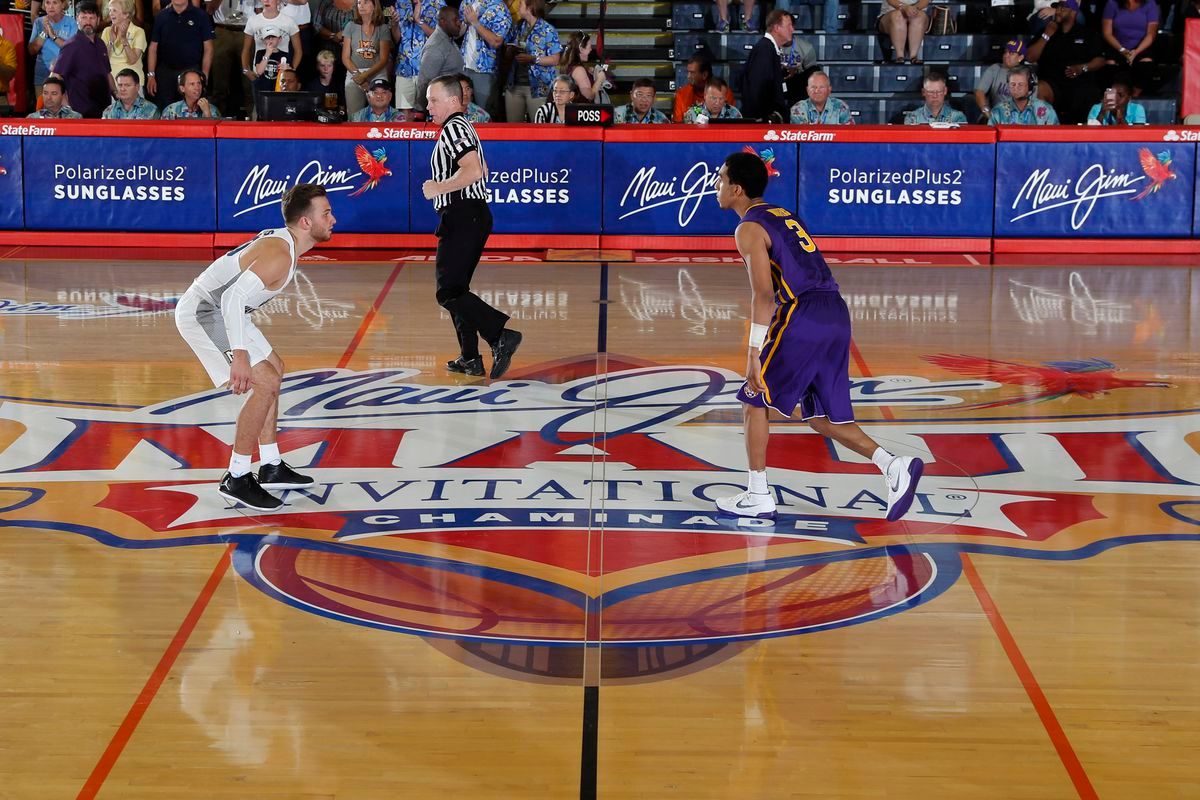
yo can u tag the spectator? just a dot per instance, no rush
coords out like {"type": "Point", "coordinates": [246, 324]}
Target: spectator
{"type": "Point", "coordinates": [905, 23]}
{"type": "Point", "coordinates": [289, 79]}
{"type": "Point", "coordinates": [229, 88]}
{"type": "Point", "coordinates": [799, 59]}
{"type": "Point", "coordinates": [763, 96]}
{"type": "Point", "coordinates": [194, 104]}
{"type": "Point", "coordinates": [413, 22]}
{"type": "Point", "coordinates": [128, 103]}
{"type": "Point", "coordinates": [137, 13]}
{"type": "Point", "coordinates": [714, 106]}
{"type": "Point", "coordinates": [366, 48]}
{"type": "Point", "coordinates": [992, 87]}
{"type": "Point", "coordinates": [1021, 107]}
{"type": "Point", "coordinates": [691, 94]}
{"type": "Point", "coordinates": [301, 14]}
{"type": "Point", "coordinates": [820, 108]}
{"type": "Point", "coordinates": [829, 22]}
{"type": "Point", "coordinates": [332, 18]}
{"type": "Point", "coordinates": [640, 109]}
{"type": "Point", "coordinates": [379, 104]}
{"type": "Point", "coordinates": [268, 61]}
{"type": "Point", "coordinates": [1115, 108]}
{"type": "Point", "coordinates": [46, 39]}
{"type": "Point", "coordinates": [83, 65]}
{"type": "Point", "coordinates": [473, 112]}
{"type": "Point", "coordinates": [126, 42]}
{"type": "Point", "coordinates": [270, 38]}
{"type": "Point", "coordinates": [488, 23]}
{"type": "Point", "coordinates": [555, 111]}
{"type": "Point", "coordinates": [53, 101]}
{"type": "Point", "coordinates": [182, 37]}
{"type": "Point", "coordinates": [1066, 53]}
{"type": "Point", "coordinates": [441, 55]}
{"type": "Point", "coordinates": [590, 82]}
{"type": "Point", "coordinates": [935, 109]}
{"type": "Point", "coordinates": [747, 16]}
{"type": "Point", "coordinates": [8, 68]}
{"type": "Point", "coordinates": [535, 64]}
{"type": "Point", "coordinates": [1130, 27]}
{"type": "Point", "coordinates": [326, 82]}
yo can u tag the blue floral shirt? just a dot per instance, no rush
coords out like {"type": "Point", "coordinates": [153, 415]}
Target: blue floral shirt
{"type": "Point", "coordinates": [478, 55]}
{"type": "Point", "coordinates": [412, 35]}
{"type": "Point", "coordinates": [1037, 112]}
{"type": "Point", "coordinates": [697, 111]}
{"type": "Point", "coordinates": [179, 110]}
{"type": "Point", "coordinates": [142, 109]}
{"type": "Point", "coordinates": [625, 115]}
{"type": "Point", "coordinates": [366, 115]}
{"type": "Point", "coordinates": [836, 113]}
{"type": "Point", "coordinates": [542, 40]}
{"type": "Point", "coordinates": [66, 112]}
{"type": "Point", "coordinates": [922, 116]}
{"type": "Point", "coordinates": [476, 113]}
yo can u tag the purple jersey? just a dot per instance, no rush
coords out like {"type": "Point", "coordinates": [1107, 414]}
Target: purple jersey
{"type": "Point", "coordinates": [796, 264]}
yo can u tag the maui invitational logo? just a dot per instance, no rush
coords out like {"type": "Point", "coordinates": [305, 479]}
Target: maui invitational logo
{"type": "Point", "coordinates": [263, 187]}
{"type": "Point", "coordinates": [495, 522]}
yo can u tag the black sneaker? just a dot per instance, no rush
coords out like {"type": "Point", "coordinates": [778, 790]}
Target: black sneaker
{"type": "Point", "coordinates": [247, 491]}
{"type": "Point", "coordinates": [503, 350]}
{"type": "Point", "coordinates": [281, 476]}
{"type": "Point", "coordinates": [466, 366]}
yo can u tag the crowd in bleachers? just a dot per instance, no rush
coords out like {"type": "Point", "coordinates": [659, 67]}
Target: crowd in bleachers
{"type": "Point", "coordinates": [371, 60]}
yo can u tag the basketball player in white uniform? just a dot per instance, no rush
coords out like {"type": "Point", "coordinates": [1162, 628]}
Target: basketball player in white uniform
{"type": "Point", "coordinates": [213, 316]}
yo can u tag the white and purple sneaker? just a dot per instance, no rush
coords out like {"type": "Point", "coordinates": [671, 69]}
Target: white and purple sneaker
{"type": "Point", "coordinates": [748, 504]}
{"type": "Point", "coordinates": [903, 474]}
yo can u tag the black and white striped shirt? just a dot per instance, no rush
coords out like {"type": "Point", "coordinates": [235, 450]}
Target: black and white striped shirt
{"type": "Point", "coordinates": [457, 138]}
{"type": "Point", "coordinates": [548, 113]}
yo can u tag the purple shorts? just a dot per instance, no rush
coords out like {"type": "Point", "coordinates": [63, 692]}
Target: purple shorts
{"type": "Point", "coordinates": [806, 360]}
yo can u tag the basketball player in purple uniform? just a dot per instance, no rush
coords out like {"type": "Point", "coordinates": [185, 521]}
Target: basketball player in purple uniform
{"type": "Point", "coordinates": [799, 342]}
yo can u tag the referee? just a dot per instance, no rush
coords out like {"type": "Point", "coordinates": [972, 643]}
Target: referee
{"type": "Point", "coordinates": [459, 194]}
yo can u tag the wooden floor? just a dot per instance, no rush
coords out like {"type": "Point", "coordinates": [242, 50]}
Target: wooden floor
{"type": "Point", "coordinates": [521, 589]}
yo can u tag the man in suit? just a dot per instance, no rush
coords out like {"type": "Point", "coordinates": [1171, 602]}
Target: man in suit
{"type": "Point", "coordinates": [763, 90]}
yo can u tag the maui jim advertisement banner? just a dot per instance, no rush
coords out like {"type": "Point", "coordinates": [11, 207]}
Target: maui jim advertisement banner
{"type": "Point", "coordinates": [1089, 190]}
{"type": "Point", "coordinates": [366, 179]}
{"type": "Point", "coordinates": [919, 189]}
{"type": "Point", "coordinates": [119, 183]}
{"type": "Point", "coordinates": [12, 210]}
{"type": "Point", "coordinates": [668, 188]}
{"type": "Point", "coordinates": [534, 186]}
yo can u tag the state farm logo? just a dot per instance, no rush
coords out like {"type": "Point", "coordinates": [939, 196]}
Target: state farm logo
{"type": "Point", "coordinates": [401, 133]}
{"type": "Point", "coordinates": [1185, 135]}
{"type": "Point", "coordinates": [773, 135]}
{"type": "Point", "coordinates": [466, 514]}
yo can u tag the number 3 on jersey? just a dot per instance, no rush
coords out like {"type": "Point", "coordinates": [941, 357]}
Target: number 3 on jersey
{"type": "Point", "coordinates": [806, 242]}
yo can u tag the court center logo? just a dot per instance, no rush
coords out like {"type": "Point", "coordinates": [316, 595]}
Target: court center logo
{"type": "Point", "coordinates": [494, 522]}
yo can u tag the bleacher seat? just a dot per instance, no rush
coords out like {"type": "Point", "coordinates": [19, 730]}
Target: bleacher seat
{"type": "Point", "coordinates": [1160, 110]}
{"type": "Point", "coordinates": [852, 78]}
{"type": "Point", "coordinates": [896, 78]}
{"type": "Point", "coordinates": [832, 47]}
{"type": "Point", "coordinates": [690, 16]}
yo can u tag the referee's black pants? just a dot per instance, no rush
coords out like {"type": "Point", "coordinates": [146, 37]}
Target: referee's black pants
{"type": "Point", "coordinates": [462, 233]}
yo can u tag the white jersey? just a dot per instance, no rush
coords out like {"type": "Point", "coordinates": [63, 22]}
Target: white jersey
{"type": "Point", "coordinates": [198, 313]}
{"type": "Point", "coordinates": [221, 274]}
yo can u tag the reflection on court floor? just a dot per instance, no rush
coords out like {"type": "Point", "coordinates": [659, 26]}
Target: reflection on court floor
{"type": "Point", "coordinates": [556, 530]}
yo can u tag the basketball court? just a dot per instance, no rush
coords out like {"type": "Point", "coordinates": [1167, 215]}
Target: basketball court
{"type": "Point", "coordinates": [521, 589]}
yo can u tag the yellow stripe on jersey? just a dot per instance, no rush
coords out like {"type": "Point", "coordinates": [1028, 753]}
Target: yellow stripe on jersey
{"type": "Point", "coordinates": [791, 296]}
{"type": "Point", "coordinates": [776, 337]}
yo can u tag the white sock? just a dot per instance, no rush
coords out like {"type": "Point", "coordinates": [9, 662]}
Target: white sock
{"type": "Point", "coordinates": [882, 458]}
{"type": "Point", "coordinates": [757, 482]}
{"type": "Point", "coordinates": [269, 453]}
{"type": "Point", "coordinates": [239, 465]}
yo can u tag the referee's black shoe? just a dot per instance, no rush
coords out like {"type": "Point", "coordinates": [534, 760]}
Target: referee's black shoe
{"type": "Point", "coordinates": [503, 350]}
{"type": "Point", "coordinates": [466, 366]}
{"type": "Point", "coordinates": [247, 491]}
{"type": "Point", "coordinates": [281, 476]}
